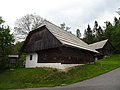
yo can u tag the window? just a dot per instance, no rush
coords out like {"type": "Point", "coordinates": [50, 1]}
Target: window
{"type": "Point", "coordinates": [30, 57]}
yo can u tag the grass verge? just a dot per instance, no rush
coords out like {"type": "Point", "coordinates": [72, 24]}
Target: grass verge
{"type": "Point", "coordinates": [42, 77]}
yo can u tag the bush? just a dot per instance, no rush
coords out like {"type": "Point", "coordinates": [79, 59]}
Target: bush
{"type": "Point", "coordinates": [21, 61]}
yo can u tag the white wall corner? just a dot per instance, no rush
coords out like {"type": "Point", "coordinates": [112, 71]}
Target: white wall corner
{"type": "Point", "coordinates": [31, 63]}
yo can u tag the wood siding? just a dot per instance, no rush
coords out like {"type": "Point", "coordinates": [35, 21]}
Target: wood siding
{"type": "Point", "coordinates": [41, 40]}
{"type": "Point", "coordinates": [65, 55]}
{"type": "Point", "coordinates": [51, 50]}
{"type": "Point", "coordinates": [107, 50]}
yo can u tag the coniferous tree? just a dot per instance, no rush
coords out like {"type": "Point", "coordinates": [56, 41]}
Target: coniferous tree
{"type": "Point", "coordinates": [85, 33]}
{"type": "Point", "coordinates": [95, 27]}
{"type": "Point", "coordinates": [112, 32]}
{"type": "Point", "coordinates": [116, 21]}
{"type": "Point", "coordinates": [98, 32]}
{"type": "Point", "coordinates": [108, 30]}
{"type": "Point", "coordinates": [78, 33]}
{"type": "Point", "coordinates": [88, 35]}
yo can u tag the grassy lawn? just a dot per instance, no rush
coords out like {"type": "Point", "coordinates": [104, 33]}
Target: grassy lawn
{"type": "Point", "coordinates": [43, 77]}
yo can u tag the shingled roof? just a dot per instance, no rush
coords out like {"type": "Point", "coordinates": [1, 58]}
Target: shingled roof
{"type": "Point", "coordinates": [98, 45]}
{"type": "Point", "coordinates": [66, 38]}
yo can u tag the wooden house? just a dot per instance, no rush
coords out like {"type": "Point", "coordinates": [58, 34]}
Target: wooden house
{"type": "Point", "coordinates": [51, 46]}
{"type": "Point", "coordinates": [104, 48]}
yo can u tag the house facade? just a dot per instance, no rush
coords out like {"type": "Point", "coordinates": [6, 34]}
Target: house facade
{"type": "Point", "coordinates": [104, 48]}
{"type": "Point", "coordinates": [50, 46]}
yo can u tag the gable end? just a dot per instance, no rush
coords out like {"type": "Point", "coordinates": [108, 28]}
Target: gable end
{"type": "Point", "coordinates": [40, 39]}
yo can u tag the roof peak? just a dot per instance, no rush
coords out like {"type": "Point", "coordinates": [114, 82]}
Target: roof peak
{"type": "Point", "coordinates": [65, 37]}
{"type": "Point", "coordinates": [46, 21]}
{"type": "Point", "coordinates": [99, 44]}
{"type": "Point", "coordinates": [100, 41]}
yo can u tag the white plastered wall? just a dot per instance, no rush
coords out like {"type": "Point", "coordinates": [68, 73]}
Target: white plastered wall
{"type": "Point", "coordinates": [33, 63]}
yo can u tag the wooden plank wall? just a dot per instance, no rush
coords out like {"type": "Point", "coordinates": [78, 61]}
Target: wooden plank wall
{"type": "Point", "coordinates": [65, 55]}
{"type": "Point", "coordinates": [41, 40]}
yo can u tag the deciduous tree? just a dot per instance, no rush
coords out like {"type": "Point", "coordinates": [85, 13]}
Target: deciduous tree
{"type": "Point", "coordinates": [26, 24]}
{"type": "Point", "coordinates": [64, 27]}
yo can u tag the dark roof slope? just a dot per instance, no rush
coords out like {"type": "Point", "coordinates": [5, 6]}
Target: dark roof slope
{"type": "Point", "coordinates": [98, 45]}
{"type": "Point", "coordinates": [66, 38]}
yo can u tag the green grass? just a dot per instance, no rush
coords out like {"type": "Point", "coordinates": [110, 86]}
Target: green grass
{"type": "Point", "coordinates": [44, 77]}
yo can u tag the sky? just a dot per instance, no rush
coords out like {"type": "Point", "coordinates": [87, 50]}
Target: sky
{"type": "Point", "coordinates": [76, 14]}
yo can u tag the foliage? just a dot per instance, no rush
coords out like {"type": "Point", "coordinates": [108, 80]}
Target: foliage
{"type": "Point", "coordinates": [45, 77]}
{"type": "Point", "coordinates": [112, 32]}
{"type": "Point", "coordinates": [93, 35]}
{"type": "Point", "coordinates": [64, 27]}
{"type": "Point", "coordinates": [21, 61]}
{"type": "Point", "coordinates": [16, 47]}
{"type": "Point", "coordinates": [78, 33]}
{"type": "Point", "coordinates": [88, 35]}
{"type": "Point", "coordinates": [6, 41]}
{"type": "Point", "coordinates": [1, 20]}
{"type": "Point", "coordinates": [98, 32]}
{"type": "Point", "coordinates": [118, 11]}
{"type": "Point", "coordinates": [25, 24]}
{"type": "Point", "coordinates": [16, 50]}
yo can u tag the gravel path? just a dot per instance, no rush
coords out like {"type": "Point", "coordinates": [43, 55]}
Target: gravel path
{"type": "Point", "coordinates": [108, 81]}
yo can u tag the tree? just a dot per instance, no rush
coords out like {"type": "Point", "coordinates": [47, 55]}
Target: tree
{"type": "Point", "coordinates": [1, 21]}
{"type": "Point", "coordinates": [67, 28]}
{"type": "Point", "coordinates": [64, 27]}
{"type": "Point", "coordinates": [118, 11]}
{"type": "Point", "coordinates": [108, 30]}
{"type": "Point", "coordinates": [26, 24]}
{"type": "Point", "coordinates": [95, 27]}
{"type": "Point", "coordinates": [112, 32]}
{"type": "Point", "coordinates": [107, 24]}
{"type": "Point", "coordinates": [85, 34]}
{"type": "Point", "coordinates": [88, 35]}
{"type": "Point", "coordinates": [116, 21]}
{"type": "Point", "coordinates": [17, 50]}
{"type": "Point", "coordinates": [16, 47]}
{"type": "Point", "coordinates": [78, 33]}
{"type": "Point", "coordinates": [6, 41]}
{"type": "Point", "coordinates": [98, 32]}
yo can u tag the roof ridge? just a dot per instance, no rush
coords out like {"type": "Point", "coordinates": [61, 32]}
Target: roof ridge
{"type": "Point", "coordinates": [73, 40]}
{"type": "Point", "coordinates": [98, 45]}
{"type": "Point", "coordinates": [53, 24]}
{"type": "Point", "coordinates": [59, 27]}
{"type": "Point", "coordinates": [99, 41]}
{"type": "Point", "coordinates": [64, 30]}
